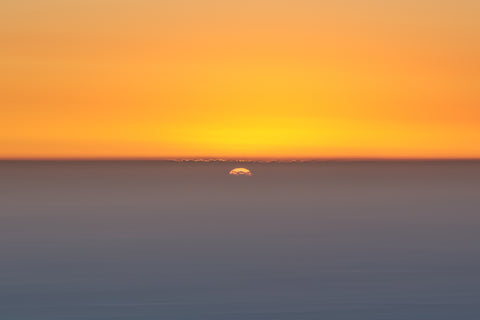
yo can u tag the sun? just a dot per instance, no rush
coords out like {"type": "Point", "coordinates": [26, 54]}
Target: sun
{"type": "Point", "coordinates": [240, 172]}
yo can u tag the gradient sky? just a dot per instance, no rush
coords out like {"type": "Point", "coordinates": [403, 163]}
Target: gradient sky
{"type": "Point", "coordinates": [241, 79]}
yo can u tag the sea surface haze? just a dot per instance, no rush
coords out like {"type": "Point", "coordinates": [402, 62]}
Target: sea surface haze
{"type": "Point", "coordinates": [150, 240]}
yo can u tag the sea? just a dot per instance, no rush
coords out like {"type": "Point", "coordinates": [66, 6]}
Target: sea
{"type": "Point", "coordinates": [165, 240]}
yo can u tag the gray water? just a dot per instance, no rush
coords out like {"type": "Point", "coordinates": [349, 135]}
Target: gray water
{"type": "Point", "coordinates": [157, 240]}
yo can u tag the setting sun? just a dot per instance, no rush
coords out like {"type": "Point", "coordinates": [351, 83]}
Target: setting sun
{"type": "Point", "coordinates": [240, 172]}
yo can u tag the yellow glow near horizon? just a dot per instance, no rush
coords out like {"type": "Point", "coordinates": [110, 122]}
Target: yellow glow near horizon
{"type": "Point", "coordinates": [230, 79]}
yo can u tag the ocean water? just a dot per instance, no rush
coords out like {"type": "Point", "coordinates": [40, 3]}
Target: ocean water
{"type": "Point", "coordinates": [158, 240]}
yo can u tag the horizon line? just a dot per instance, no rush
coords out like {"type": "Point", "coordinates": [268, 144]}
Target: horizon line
{"type": "Point", "coordinates": [266, 160]}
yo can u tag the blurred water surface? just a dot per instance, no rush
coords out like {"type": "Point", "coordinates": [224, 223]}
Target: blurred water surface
{"type": "Point", "coordinates": [158, 240]}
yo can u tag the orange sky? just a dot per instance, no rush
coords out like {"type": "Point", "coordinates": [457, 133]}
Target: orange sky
{"type": "Point", "coordinates": [239, 79]}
